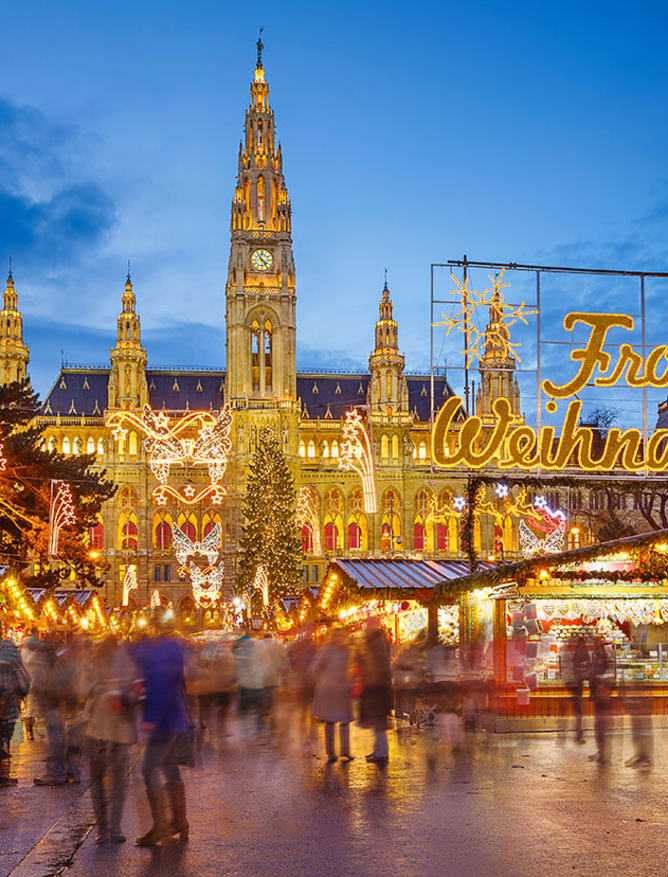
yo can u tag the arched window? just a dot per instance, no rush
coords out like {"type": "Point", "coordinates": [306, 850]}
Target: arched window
{"type": "Point", "coordinates": [395, 447]}
{"type": "Point", "coordinates": [209, 521]}
{"type": "Point", "coordinates": [385, 538]}
{"type": "Point", "coordinates": [162, 531]}
{"type": "Point", "coordinates": [453, 536]}
{"type": "Point", "coordinates": [331, 536]}
{"type": "Point", "coordinates": [132, 443]}
{"type": "Point", "coordinates": [384, 447]}
{"type": "Point", "coordinates": [260, 199]}
{"type": "Point", "coordinates": [356, 499]}
{"type": "Point", "coordinates": [255, 354]}
{"type": "Point", "coordinates": [53, 443]}
{"type": "Point", "coordinates": [335, 448]}
{"type": "Point", "coordinates": [78, 445]}
{"type": "Point", "coordinates": [498, 538]}
{"type": "Point", "coordinates": [442, 537]}
{"type": "Point", "coordinates": [418, 536]}
{"type": "Point", "coordinates": [508, 535]}
{"type": "Point", "coordinates": [354, 535]}
{"type": "Point", "coordinates": [302, 448]}
{"type": "Point", "coordinates": [390, 532]}
{"type": "Point", "coordinates": [422, 451]}
{"type": "Point", "coordinates": [307, 538]}
{"type": "Point", "coordinates": [325, 449]}
{"type": "Point", "coordinates": [96, 536]}
{"type": "Point", "coordinates": [66, 445]}
{"type": "Point", "coordinates": [333, 499]}
{"type": "Point", "coordinates": [188, 523]}
{"type": "Point", "coordinates": [311, 448]}
{"type": "Point", "coordinates": [388, 379]}
{"type": "Point", "coordinates": [268, 353]}
{"type": "Point", "coordinates": [100, 447]}
{"type": "Point", "coordinates": [90, 445]}
{"type": "Point", "coordinates": [128, 531]}
{"type": "Point", "coordinates": [128, 496]}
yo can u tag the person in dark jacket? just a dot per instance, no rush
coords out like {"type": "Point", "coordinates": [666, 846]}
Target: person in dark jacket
{"type": "Point", "coordinates": [14, 684]}
{"type": "Point", "coordinates": [333, 702]}
{"type": "Point", "coordinates": [160, 661]}
{"type": "Point", "coordinates": [376, 699]}
{"type": "Point", "coordinates": [600, 687]}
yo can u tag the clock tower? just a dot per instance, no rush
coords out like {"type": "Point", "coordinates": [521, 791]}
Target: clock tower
{"type": "Point", "coordinates": [260, 291]}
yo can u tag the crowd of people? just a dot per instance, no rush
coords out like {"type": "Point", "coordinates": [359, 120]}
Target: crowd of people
{"type": "Point", "coordinates": [96, 700]}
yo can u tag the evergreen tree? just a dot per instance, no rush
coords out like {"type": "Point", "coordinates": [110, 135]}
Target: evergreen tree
{"type": "Point", "coordinates": [25, 494]}
{"type": "Point", "coordinates": [270, 533]}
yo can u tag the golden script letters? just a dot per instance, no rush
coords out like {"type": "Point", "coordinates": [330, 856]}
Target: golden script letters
{"type": "Point", "coordinates": [508, 445]}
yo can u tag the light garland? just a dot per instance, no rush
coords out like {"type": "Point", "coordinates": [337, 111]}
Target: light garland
{"type": "Point", "coordinates": [261, 583]}
{"type": "Point", "coordinates": [552, 523]}
{"type": "Point", "coordinates": [155, 599]}
{"type": "Point", "coordinates": [307, 514]}
{"type": "Point", "coordinates": [206, 584]}
{"type": "Point", "coordinates": [129, 582]}
{"type": "Point", "coordinates": [3, 459]}
{"type": "Point", "coordinates": [357, 454]}
{"type": "Point", "coordinates": [61, 513]}
{"type": "Point", "coordinates": [189, 495]}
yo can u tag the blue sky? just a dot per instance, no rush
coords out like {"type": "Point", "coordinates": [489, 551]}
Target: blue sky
{"type": "Point", "coordinates": [412, 133]}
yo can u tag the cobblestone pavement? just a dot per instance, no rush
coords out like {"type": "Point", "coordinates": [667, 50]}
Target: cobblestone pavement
{"type": "Point", "coordinates": [507, 805]}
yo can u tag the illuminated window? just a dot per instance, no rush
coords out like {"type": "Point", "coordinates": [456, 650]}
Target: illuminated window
{"type": "Point", "coordinates": [325, 449]}
{"type": "Point", "coordinates": [129, 532]}
{"type": "Point", "coordinates": [333, 499]}
{"type": "Point", "coordinates": [442, 537]}
{"type": "Point", "coordinates": [96, 536]}
{"type": "Point", "coordinates": [384, 447]}
{"type": "Point", "coordinates": [260, 199]}
{"type": "Point", "coordinates": [302, 449]}
{"type": "Point", "coordinates": [66, 445]}
{"type": "Point", "coordinates": [209, 521]}
{"type": "Point", "coordinates": [356, 499]}
{"type": "Point", "coordinates": [388, 379]}
{"type": "Point", "coordinates": [132, 443]}
{"type": "Point", "coordinates": [90, 445]}
{"type": "Point", "coordinates": [331, 537]}
{"type": "Point", "coordinates": [100, 447]}
{"type": "Point", "coordinates": [354, 535]}
{"type": "Point", "coordinates": [268, 348]}
{"type": "Point", "coordinates": [418, 536]}
{"type": "Point", "coordinates": [188, 523]}
{"type": "Point", "coordinates": [498, 539]}
{"type": "Point", "coordinates": [385, 537]}
{"type": "Point", "coordinates": [53, 443]}
{"type": "Point", "coordinates": [311, 448]}
{"type": "Point", "coordinates": [128, 496]}
{"type": "Point", "coordinates": [422, 451]}
{"type": "Point", "coordinates": [162, 531]}
{"type": "Point", "coordinates": [335, 448]}
{"type": "Point", "coordinates": [395, 447]}
{"type": "Point", "coordinates": [307, 540]}
{"type": "Point", "coordinates": [255, 354]}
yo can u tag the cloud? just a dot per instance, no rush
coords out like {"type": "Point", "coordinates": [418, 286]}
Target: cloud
{"type": "Point", "coordinates": [50, 213]}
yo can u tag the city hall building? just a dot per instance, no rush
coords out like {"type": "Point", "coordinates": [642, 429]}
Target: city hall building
{"type": "Point", "coordinates": [264, 389]}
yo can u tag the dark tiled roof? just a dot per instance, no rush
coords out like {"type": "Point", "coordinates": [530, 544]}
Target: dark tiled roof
{"type": "Point", "coordinates": [662, 420]}
{"type": "Point", "coordinates": [78, 391]}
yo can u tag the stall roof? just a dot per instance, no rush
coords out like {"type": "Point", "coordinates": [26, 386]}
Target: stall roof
{"type": "Point", "coordinates": [402, 573]}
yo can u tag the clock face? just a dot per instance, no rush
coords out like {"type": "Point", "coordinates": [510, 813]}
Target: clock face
{"type": "Point", "coordinates": [262, 260]}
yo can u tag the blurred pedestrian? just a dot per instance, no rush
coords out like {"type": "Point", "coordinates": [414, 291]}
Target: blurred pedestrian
{"type": "Point", "coordinates": [14, 684]}
{"type": "Point", "coordinates": [111, 712]}
{"type": "Point", "coordinates": [376, 698]}
{"type": "Point", "coordinates": [407, 674]}
{"type": "Point", "coordinates": [332, 702]}
{"type": "Point", "coordinates": [29, 710]}
{"type": "Point", "coordinates": [250, 672]}
{"type": "Point", "coordinates": [639, 708]}
{"type": "Point", "coordinates": [600, 686]}
{"type": "Point", "coordinates": [301, 655]}
{"type": "Point", "coordinates": [443, 673]}
{"type": "Point", "coordinates": [575, 669]}
{"type": "Point", "coordinates": [161, 664]}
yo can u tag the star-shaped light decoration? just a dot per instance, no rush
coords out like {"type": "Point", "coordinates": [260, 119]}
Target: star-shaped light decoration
{"type": "Point", "coordinates": [189, 491]}
{"type": "Point", "coordinates": [119, 433]}
{"type": "Point", "coordinates": [501, 490]}
{"type": "Point", "coordinates": [540, 502]}
{"type": "Point", "coordinates": [161, 420]}
{"type": "Point", "coordinates": [459, 503]}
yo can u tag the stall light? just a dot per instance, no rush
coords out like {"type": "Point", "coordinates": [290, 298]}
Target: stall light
{"type": "Point", "coordinates": [575, 530]}
{"type": "Point", "coordinates": [491, 558]}
{"type": "Point", "coordinates": [544, 574]}
{"type": "Point", "coordinates": [141, 622]}
{"type": "Point", "coordinates": [84, 623]}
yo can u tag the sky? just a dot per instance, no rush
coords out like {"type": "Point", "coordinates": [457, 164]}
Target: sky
{"type": "Point", "coordinates": [412, 133]}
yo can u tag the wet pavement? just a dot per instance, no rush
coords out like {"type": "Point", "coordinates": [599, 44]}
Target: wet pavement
{"type": "Point", "coordinates": [504, 805]}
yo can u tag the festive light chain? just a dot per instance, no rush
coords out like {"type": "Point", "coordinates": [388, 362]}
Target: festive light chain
{"type": "Point", "coordinates": [357, 454]}
{"type": "Point", "coordinates": [553, 523]}
{"type": "Point", "coordinates": [496, 334]}
{"type": "Point", "coordinates": [3, 459]}
{"type": "Point", "coordinates": [166, 446]}
{"type": "Point", "coordinates": [184, 546]}
{"type": "Point", "coordinates": [261, 583]}
{"type": "Point", "coordinates": [129, 582]}
{"type": "Point", "coordinates": [61, 513]}
{"type": "Point", "coordinates": [155, 599]}
{"type": "Point", "coordinates": [307, 514]}
{"type": "Point", "coordinates": [189, 495]}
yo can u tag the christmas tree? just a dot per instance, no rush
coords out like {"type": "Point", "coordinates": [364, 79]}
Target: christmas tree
{"type": "Point", "coordinates": [270, 534]}
{"type": "Point", "coordinates": [25, 494]}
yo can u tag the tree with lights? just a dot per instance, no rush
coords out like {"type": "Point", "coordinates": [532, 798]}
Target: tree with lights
{"type": "Point", "coordinates": [26, 471]}
{"type": "Point", "coordinates": [270, 534]}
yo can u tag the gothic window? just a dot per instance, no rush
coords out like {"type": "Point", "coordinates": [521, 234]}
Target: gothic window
{"type": "Point", "coordinates": [335, 448]}
{"type": "Point", "coordinates": [307, 538]}
{"type": "Point", "coordinates": [333, 499]}
{"type": "Point", "coordinates": [188, 523]}
{"type": "Point", "coordinates": [422, 451]}
{"type": "Point", "coordinates": [95, 536]}
{"type": "Point", "coordinates": [354, 535]}
{"type": "Point", "coordinates": [260, 199]}
{"type": "Point", "coordinates": [128, 531]}
{"type": "Point", "coordinates": [100, 447]}
{"type": "Point", "coordinates": [302, 448]}
{"type": "Point", "coordinates": [66, 445]}
{"type": "Point", "coordinates": [268, 350]}
{"type": "Point", "coordinates": [259, 133]}
{"type": "Point", "coordinates": [162, 531]}
{"type": "Point", "coordinates": [128, 496]}
{"type": "Point", "coordinates": [453, 536]}
{"type": "Point", "coordinates": [78, 445]}
{"type": "Point", "coordinates": [395, 447]}
{"type": "Point", "coordinates": [311, 448]}
{"type": "Point", "coordinates": [418, 536]}
{"type": "Point", "coordinates": [388, 379]}
{"type": "Point", "coordinates": [498, 538]}
{"type": "Point", "coordinates": [441, 537]}
{"type": "Point", "coordinates": [132, 443]}
{"type": "Point", "coordinates": [90, 445]}
{"type": "Point", "coordinates": [127, 379]}
{"type": "Point", "coordinates": [209, 521]}
{"type": "Point", "coordinates": [325, 449]}
{"type": "Point", "coordinates": [356, 499]}
{"type": "Point", "coordinates": [385, 537]}
{"type": "Point", "coordinates": [255, 354]}
{"type": "Point", "coordinates": [331, 536]}
{"type": "Point", "coordinates": [384, 447]}
{"type": "Point", "coordinates": [53, 443]}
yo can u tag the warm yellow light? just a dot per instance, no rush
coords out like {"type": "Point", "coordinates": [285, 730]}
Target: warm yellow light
{"type": "Point", "coordinates": [575, 530]}
{"type": "Point", "coordinates": [94, 554]}
{"type": "Point", "coordinates": [544, 574]}
{"type": "Point", "coordinates": [491, 558]}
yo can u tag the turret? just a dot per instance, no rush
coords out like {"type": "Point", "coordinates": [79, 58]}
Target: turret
{"type": "Point", "coordinates": [14, 353]}
{"type": "Point", "coordinates": [497, 368]}
{"type": "Point", "coordinates": [127, 380]}
{"type": "Point", "coordinates": [388, 390]}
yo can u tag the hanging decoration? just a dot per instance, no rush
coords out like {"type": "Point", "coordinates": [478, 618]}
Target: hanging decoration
{"type": "Point", "coordinates": [550, 523]}
{"type": "Point", "coordinates": [214, 494]}
{"type": "Point", "coordinates": [184, 547]}
{"type": "Point", "coordinates": [194, 438]}
{"type": "Point", "coordinates": [3, 459]}
{"type": "Point", "coordinates": [307, 514]}
{"type": "Point", "coordinates": [206, 583]}
{"type": "Point", "coordinates": [155, 599]}
{"type": "Point", "coordinates": [357, 454]}
{"type": "Point", "coordinates": [61, 512]}
{"type": "Point", "coordinates": [129, 582]}
{"type": "Point", "coordinates": [261, 583]}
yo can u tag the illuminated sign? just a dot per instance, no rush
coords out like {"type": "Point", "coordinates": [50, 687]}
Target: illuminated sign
{"type": "Point", "coordinates": [509, 445]}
